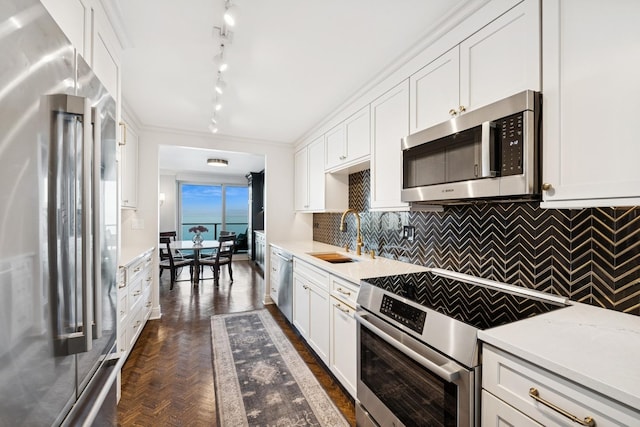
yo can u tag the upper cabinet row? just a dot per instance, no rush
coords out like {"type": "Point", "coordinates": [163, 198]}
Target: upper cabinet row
{"type": "Point", "coordinates": [575, 53]}
{"type": "Point", "coordinates": [499, 60]}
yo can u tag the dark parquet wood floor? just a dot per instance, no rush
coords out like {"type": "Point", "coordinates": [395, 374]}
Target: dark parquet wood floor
{"type": "Point", "coordinates": [168, 377]}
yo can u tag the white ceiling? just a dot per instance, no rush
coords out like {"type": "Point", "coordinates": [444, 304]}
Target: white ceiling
{"type": "Point", "coordinates": [291, 62]}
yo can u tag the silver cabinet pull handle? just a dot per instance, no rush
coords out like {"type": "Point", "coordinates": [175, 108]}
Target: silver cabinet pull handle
{"type": "Point", "coordinates": [535, 395]}
{"type": "Point", "coordinates": [342, 291]}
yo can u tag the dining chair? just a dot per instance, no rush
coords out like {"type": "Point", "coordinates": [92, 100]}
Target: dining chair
{"type": "Point", "coordinates": [173, 264]}
{"type": "Point", "coordinates": [222, 256]}
{"type": "Point", "coordinates": [176, 253]}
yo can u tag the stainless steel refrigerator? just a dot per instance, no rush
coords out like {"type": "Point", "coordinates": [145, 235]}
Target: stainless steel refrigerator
{"type": "Point", "coordinates": [58, 227]}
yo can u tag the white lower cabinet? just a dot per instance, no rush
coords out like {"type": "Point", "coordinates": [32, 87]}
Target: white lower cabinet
{"type": "Point", "coordinates": [518, 393]}
{"type": "Point", "coordinates": [497, 413]}
{"type": "Point", "coordinates": [134, 299]}
{"type": "Point", "coordinates": [342, 360]}
{"type": "Point", "coordinates": [311, 306]}
{"type": "Point", "coordinates": [324, 314]}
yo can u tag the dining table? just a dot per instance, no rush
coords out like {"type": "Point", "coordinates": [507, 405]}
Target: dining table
{"type": "Point", "coordinates": [188, 245]}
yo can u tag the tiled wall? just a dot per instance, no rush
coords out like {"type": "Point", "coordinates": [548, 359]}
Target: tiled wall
{"type": "Point", "coordinates": [588, 255]}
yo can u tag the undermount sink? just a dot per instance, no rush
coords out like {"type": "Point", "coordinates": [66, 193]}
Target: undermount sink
{"type": "Point", "coordinates": [332, 257]}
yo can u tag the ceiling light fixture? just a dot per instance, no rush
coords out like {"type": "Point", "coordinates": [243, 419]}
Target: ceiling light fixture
{"type": "Point", "coordinates": [218, 162]}
{"type": "Point", "coordinates": [213, 128]}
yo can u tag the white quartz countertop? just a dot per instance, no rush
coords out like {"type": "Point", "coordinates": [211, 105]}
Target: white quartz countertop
{"type": "Point", "coordinates": [591, 346]}
{"type": "Point", "coordinates": [130, 255]}
{"type": "Point", "coordinates": [364, 267]}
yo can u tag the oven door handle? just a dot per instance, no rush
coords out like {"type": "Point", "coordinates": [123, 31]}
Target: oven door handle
{"type": "Point", "coordinates": [444, 373]}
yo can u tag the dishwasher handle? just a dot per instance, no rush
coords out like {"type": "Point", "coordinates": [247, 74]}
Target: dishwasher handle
{"type": "Point", "coordinates": [284, 257]}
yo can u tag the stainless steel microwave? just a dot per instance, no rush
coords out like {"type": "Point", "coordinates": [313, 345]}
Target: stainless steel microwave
{"type": "Point", "coordinates": [492, 153]}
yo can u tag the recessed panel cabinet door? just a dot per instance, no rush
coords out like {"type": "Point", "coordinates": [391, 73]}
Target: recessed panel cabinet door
{"type": "Point", "coordinates": [316, 178]}
{"type": "Point", "coordinates": [435, 91]}
{"type": "Point", "coordinates": [301, 305]}
{"type": "Point", "coordinates": [74, 18]}
{"type": "Point", "coordinates": [301, 182]}
{"type": "Point", "coordinates": [503, 58]}
{"type": "Point", "coordinates": [129, 170]}
{"type": "Point", "coordinates": [389, 124]}
{"type": "Point", "coordinates": [590, 103]}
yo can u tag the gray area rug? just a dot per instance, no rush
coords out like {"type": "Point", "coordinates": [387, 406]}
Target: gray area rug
{"type": "Point", "coordinates": [260, 378]}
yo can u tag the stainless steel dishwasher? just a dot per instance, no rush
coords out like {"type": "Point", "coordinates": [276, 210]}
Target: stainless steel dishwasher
{"type": "Point", "coordinates": [284, 282]}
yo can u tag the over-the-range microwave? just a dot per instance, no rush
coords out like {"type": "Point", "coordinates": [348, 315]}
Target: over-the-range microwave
{"type": "Point", "coordinates": [492, 153]}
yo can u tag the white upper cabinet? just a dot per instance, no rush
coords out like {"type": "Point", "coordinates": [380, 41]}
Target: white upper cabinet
{"type": "Point", "coordinates": [435, 91]}
{"type": "Point", "coordinates": [317, 179]}
{"type": "Point", "coordinates": [389, 124]}
{"type": "Point", "coordinates": [301, 180]}
{"type": "Point", "coordinates": [106, 52]}
{"type": "Point", "coordinates": [503, 58]}
{"type": "Point", "coordinates": [349, 142]}
{"type": "Point", "coordinates": [74, 18]}
{"type": "Point", "coordinates": [590, 63]}
{"type": "Point", "coordinates": [129, 169]}
{"type": "Point", "coordinates": [499, 60]}
{"type": "Point", "coordinates": [315, 190]}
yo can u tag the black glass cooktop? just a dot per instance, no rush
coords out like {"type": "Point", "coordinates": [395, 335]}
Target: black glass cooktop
{"type": "Point", "coordinates": [476, 305]}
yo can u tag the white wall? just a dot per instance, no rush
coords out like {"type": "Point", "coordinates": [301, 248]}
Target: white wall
{"type": "Point", "coordinates": [168, 211]}
{"type": "Point", "coordinates": [281, 222]}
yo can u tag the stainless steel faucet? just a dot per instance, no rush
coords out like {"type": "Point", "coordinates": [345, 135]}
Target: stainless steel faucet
{"type": "Point", "coordinates": [359, 243]}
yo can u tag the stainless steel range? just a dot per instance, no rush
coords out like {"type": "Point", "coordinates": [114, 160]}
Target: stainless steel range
{"type": "Point", "coordinates": [419, 359]}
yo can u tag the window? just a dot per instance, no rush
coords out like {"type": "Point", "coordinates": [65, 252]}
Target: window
{"type": "Point", "coordinates": [217, 207]}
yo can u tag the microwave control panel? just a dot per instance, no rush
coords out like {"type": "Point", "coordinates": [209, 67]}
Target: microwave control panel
{"type": "Point", "coordinates": [511, 137]}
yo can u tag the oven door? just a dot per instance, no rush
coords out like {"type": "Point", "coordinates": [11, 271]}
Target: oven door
{"type": "Point", "coordinates": [402, 382]}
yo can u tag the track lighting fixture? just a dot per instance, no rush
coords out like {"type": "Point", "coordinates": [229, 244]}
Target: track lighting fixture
{"type": "Point", "coordinates": [220, 61]}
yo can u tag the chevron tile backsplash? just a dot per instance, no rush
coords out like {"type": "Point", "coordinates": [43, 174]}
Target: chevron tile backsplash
{"type": "Point", "coordinates": [588, 255]}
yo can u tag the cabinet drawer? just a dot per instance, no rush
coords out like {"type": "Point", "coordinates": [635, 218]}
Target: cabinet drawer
{"type": "Point", "coordinates": [134, 271]}
{"type": "Point", "coordinates": [344, 290]}
{"type": "Point", "coordinates": [135, 292]}
{"type": "Point", "coordinates": [123, 305]}
{"type": "Point", "coordinates": [135, 325]}
{"type": "Point", "coordinates": [315, 275]}
{"type": "Point", "coordinates": [510, 379]}
{"type": "Point", "coordinates": [497, 413]}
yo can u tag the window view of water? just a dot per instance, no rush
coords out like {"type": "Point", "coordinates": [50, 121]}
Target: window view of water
{"type": "Point", "coordinates": [216, 207]}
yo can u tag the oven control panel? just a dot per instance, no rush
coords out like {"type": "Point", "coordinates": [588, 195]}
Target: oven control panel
{"type": "Point", "coordinates": [411, 317]}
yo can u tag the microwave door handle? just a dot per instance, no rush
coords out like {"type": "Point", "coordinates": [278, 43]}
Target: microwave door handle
{"type": "Point", "coordinates": [448, 375]}
{"type": "Point", "coordinates": [487, 144]}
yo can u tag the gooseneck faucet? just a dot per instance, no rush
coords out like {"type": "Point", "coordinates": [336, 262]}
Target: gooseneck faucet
{"type": "Point", "coordinates": [359, 243]}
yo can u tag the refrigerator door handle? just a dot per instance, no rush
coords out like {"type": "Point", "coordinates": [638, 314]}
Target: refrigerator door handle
{"type": "Point", "coordinates": [97, 221]}
{"type": "Point", "coordinates": [69, 212]}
